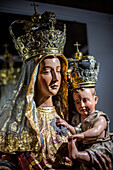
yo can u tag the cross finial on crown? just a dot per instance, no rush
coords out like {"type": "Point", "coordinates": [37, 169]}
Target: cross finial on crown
{"type": "Point", "coordinates": [34, 5]}
{"type": "Point", "coordinates": [77, 44]}
{"type": "Point", "coordinates": [78, 55]}
{"type": "Point", "coordinates": [35, 17]}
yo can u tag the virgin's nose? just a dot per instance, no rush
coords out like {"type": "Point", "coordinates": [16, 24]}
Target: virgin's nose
{"type": "Point", "coordinates": [54, 76]}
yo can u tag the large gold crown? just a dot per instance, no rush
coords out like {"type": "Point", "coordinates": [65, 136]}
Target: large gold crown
{"type": "Point", "coordinates": [83, 71]}
{"type": "Point", "coordinates": [38, 36]}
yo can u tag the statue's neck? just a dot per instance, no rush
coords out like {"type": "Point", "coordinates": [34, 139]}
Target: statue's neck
{"type": "Point", "coordinates": [44, 101]}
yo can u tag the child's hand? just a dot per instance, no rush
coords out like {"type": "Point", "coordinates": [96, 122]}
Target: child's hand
{"type": "Point", "coordinates": [61, 122]}
{"type": "Point", "coordinates": [79, 136]}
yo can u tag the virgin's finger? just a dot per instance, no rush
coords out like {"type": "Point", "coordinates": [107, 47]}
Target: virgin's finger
{"type": "Point", "coordinates": [101, 162]}
{"type": "Point", "coordinates": [107, 162]}
{"type": "Point", "coordinates": [93, 168]}
{"type": "Point", "coordinates": [68, 160]}
{"type": "Point", "coordinates": [97, 165]}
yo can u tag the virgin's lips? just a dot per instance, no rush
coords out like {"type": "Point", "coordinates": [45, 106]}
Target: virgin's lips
{"type": "Point", "coordinates": [54, 86]}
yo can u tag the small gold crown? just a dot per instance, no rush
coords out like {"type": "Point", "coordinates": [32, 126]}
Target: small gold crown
{"type": "Point", "coordinates": [38, 36]}
{"type": "Point", "coordinates": [83, 71]}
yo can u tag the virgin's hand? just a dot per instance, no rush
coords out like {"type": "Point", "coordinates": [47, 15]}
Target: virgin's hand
{"type": "Point", "coordinates": [73, 151]}
{"type": "Point", "coordinates": [68, 160]}
{"type": "Point", "coordinates": [102, 162]}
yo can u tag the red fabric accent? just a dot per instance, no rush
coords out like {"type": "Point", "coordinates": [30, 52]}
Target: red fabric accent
{"type": "Point", "coordinates": [24, 164]}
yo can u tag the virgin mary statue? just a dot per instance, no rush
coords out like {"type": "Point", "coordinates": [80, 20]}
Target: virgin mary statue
{"type": "Point", "coordinates": [29, 135]}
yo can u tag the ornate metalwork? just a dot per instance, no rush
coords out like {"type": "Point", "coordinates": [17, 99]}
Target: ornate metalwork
{"type": "Point", "coordinates": [40, 36]}
{"type": "Point", "coordinates": [83, 71]}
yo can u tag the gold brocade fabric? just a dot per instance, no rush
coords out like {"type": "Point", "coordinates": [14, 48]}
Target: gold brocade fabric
{"type": "Point", "coordinates": [11, 144]}
{"type": "Point", "coordinates": [53, 140]}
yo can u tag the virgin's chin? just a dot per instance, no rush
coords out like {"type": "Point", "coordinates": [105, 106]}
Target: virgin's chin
{"type": "Point", "coordinates": [54, 93]}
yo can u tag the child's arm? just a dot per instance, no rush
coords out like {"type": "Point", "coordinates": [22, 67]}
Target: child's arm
{"type": "Point", "coordinates": [96, 132]}
{"type": "Point", "coordinates": [61, 122]}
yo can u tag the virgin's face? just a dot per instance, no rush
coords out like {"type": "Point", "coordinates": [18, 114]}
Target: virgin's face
{"type": "Point", "coordinates": [49, 77]}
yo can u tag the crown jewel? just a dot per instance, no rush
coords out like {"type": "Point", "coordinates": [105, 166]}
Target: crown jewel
{"type": "Point", "coordinates": [83, 71]}
{"type": "Point", "coordinates": [38, 36]}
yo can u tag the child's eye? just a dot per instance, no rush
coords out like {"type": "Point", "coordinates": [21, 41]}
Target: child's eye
{"type": "Point", "coordinates": [85, 100]}
{"type": "Point", "coordinates": [77, 102]}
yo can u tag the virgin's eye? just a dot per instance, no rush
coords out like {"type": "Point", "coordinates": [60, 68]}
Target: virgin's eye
{"type": "Point", "coordinates": [45, 72]}
{"type": "Point", "coordinates": [58, 71]}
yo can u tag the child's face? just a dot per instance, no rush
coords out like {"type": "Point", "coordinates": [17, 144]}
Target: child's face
{"type": "Point", "coordinates": [85, 101]}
